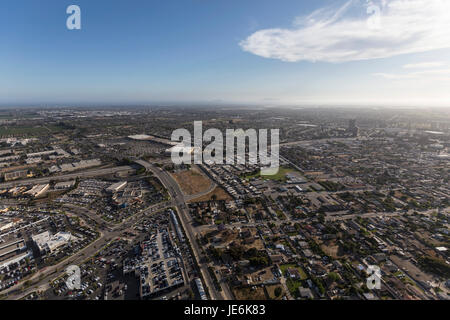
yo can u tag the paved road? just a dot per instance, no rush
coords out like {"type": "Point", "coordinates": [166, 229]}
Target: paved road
{"type": "Point", "coordinates": [70, 176]}
{"type": "Point", "coordinates": [50, 273]}
{"type": "Point", "coordinates": [53, 272]}
{"type": "Point", "coordinates": [204, 193]}
{"type": "Point", "coordinates": [177, 195]}
{"type": "Point", "coordinates": [80, 211]}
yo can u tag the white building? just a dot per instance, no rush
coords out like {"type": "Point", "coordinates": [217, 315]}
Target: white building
{"type": "Point", "coordinates": [140, 137]}
{"type": "Point", "coordinates": [180, 149]}
{"type": "Point", "coordinates": [38, 190]}
{"type": "Point", "coordinates": [64, 185]}
{"type": "Point", "coordinates": [49, 243]}
{"type": "Point", "coordinates": [8, 223]}
{"type": "Point", "coordinates": [116, 187]}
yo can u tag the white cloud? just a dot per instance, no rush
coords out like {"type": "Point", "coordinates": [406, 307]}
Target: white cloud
{"type": "Point", "coordinates": [378, 30]}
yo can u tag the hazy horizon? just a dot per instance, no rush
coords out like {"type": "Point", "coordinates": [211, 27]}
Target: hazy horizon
{"type": "Point", "coordinates": [324, 52]}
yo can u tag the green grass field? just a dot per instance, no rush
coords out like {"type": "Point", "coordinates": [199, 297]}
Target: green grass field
{"type": "Point", "coordinates": [28, 131]}
{"type": "Point", "coordinates": [7, 131]}
{"type": "Point", "coordinates": [293, 286]}
{"type": "Point", "coordinates": [284, 268]}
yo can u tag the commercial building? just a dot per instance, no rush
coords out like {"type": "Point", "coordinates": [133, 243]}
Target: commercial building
{"type": "Point", "coordinates": [116, 187]}
{"type": "Point", "coordinates": [12, 252]}
{"type": "Point", "coordinates": [56, 152]}
{"type": "Point", "coordinates": [64, 185]}
{"type": "Point", "coordinates": [140, 137]}
{"type": "Point", "coordinates": [352, 128]}
{"type": "Point", "coordinates": [69, 167]}
{"type": "Point", "coordinates": [49, 243]}
{"type": "Point", "coordinates": [144, 137]}
{"type": "Point", "coordinates": [180, 149]}
{"type": "Point", "coordinates": [15, 175]}
{"type": "Point", "coordinates": [9, 247]}
{"type": "Point", "coordinates": [8, 223]}
{"type": "Point", "coordinates": [38, 190]}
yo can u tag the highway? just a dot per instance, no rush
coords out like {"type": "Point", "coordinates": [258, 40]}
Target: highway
{"type": "Point", "coordinates": [48, 274]}
{"type": "Point", "coordinates": [177, 195]}
{"type": "Point", "coordinates": [210, 189]}
{"type": "Point", "coordinates": [204, 193]}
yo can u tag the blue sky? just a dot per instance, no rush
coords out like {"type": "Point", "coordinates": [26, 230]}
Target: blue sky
{"type": "Point", "coordinates": [248, 51]}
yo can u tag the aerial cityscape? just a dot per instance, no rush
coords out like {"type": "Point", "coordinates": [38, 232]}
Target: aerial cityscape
{"type": "Point", "coordinates": [372, 189]}
{"type": "Point", "coordinates": [272, 154]}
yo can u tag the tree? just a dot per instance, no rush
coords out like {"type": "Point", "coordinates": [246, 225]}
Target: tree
{"type": "Point", "coordinates": [333, 276]}
{"type": "Point", "coordinates": [278, 291]}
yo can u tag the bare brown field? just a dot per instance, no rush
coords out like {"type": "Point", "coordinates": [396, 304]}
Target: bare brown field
{"type": "Point", "coordinates": [220, 195]}
{"type": "Point", "coordinates": [258, 245]}
{"type": "Point", "coordinates": [191, 181]}
{"type": "Point", "coordinates": [332, 249]}
{"type": "Point", "coordinates": [247, 293]}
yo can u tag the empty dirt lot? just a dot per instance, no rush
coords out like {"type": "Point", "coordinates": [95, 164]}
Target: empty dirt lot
{"type": "Point", "coordinates": [192, 181]}
{"type": "Point", "coordinates": [219, 193]}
